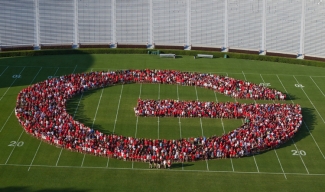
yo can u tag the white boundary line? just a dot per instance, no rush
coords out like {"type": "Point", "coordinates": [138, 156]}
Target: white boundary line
{"type": "Point", "coordinates": [310, 100]}
{"type": "Point", "coordinates": [12, 83]}
{"type": "Point", "coordinates": [118, 108]}
{"type": "Point", "coordinates": [4, 70]}
{"type": "Point", "coordinates": [317, 86]}
{"type": "Point", "coordinates": [174, 170]}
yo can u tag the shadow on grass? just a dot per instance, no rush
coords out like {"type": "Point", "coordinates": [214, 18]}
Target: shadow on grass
{"type": "Point", "coordinates": [308, 124]}
{"type": "Point", "coordinates": [33, 64]}
{"type": "Point", "coordinates": [180, 165]}
{"type": "Point", "coordinates": [291, 97]}
{"type": "Point", "coordinates": [27, 189]}
{"type": "Point", "coordinates": [76, 108]}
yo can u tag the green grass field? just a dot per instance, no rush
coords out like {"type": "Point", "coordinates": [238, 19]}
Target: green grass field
{"type": "Point", "coordinates": [28, 164]}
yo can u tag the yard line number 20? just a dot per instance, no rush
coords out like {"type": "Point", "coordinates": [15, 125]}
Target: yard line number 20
{"type": "Point", "coordinates": [299, 152]}
{"type": "Point", "coordinates": [15, 143]}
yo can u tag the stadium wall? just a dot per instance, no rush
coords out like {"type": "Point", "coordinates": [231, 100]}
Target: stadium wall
{"type": "Point", "coordinates": [286, 27]}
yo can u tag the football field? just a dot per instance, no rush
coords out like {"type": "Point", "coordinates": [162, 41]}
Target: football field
{"type": "Point", "coordinates": [29, 164]}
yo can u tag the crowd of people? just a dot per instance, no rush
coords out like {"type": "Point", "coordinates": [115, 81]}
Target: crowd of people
{"type": "Point", "coordinates": [41, 110]}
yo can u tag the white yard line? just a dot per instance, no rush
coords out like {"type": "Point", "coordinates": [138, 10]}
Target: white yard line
{"type": "Point", "coordinates": [280, 164]}
{"type": "Point", "coordinates": [136, 124]}
{"type": "Point", "coordinates": [83, 160]}
{"type": "Point", "coordinates": [118, 108]}
{"type": "Point", "coordinates": [35, 154]}
{"type": "Point", "coordinates": [303, 121]}
{"type": "Point", "coordinates": [300, 155]}
{"type": "Point", "coordinates": [74, 68]}
{"type": "Point", "coordinates": [179, 119]}
{"type": "Point", "coordinates": [244, 75]}
{"type": "Point", "coordinates": [180, 126]}
{"type": "Point", "coordinates": [23, 129]}
{"type": "Point", "coordinates": [158, 116]}
{"type": "Point", "coordinates": [224, 131]}
{"type": "Point", "coordinates": [174, 170]}
{"type": "Point", "coordinates": [41, 139]}
{"type": "Point", "coordinates": [197, 98]}
{"type": "Point", "coordinates": [243, 123]}
{"type": "Point", "coordinates": [310, 101]}
{"type": "Point", "coordinates": [12, 84]}
{"type": "Point", "coordinates": [14, 147]}
{"type": "Point", "coordinates": [291, 138]}
{"type": "Point", "coordinates": [108, 162]}
{"type": "Point", "coordinates": [92, 126]}
{"type": "Point", "coordinates": [7, 120]}
{"type": "Point", "coordinates": [317, 86]}
{"type": "Point", "coordinates": [4, 71]}
{"type": "Point", "coordinates": [274, 149]}
{"type": "Point", "coordinates": [100, 98]}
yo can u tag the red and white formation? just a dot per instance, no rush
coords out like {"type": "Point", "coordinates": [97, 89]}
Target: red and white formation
{"type": "Point", "coordinates": [41, 110]}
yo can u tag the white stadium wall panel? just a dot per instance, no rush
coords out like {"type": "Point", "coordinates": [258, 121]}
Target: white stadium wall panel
{"type": "Point", "coordinates": [283, 23]}
{"type": "Point", "coordinates": [132, 21]}
{"type": "Point", "coordinates": [207, 22]}
{"type": "Point", "coordinates": [245, 24]}
{"type": "Point", "coordinates": [17, 22]}
{"type": "Point", "coordinates": [56, 21]}
{"type": "Point", "coordinates": [169, 22]}
{"type": "Point", "coordinates": [315, 28]}
{"type": "Point", "coordinates": [94, 22]}
{"type": "Point", "coordinates": [282, 26]}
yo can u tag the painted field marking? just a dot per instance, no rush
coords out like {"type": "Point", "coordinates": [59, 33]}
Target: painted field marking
{"type": "Point", "coordinates": [40, 139]}
{"type": "Point", "coordinates": [35, 154]}
{"type": "Point", "coordinates": [303, 121]}
{"type": "Point", "coordinates": [243, 122]}
{"type": "Point", "coordinates": [280, 164]}
{"type": "Point", "coordinates": [174, 170]}
{"type": "Point", "coordinates": [7, 120]}
{"type": "Point", "coordinates": [136, 124]}
{"type": "Point", "coordinates": [311, 102]}
{"type": "Point", "coordinates": [158, 99]}
{"type": "Point", "coordinates": [12, 84]}
{"type": "Point", "coordinates": [274, 149]}
{"type": "Point", "coordinates": [317, 86]}
{"type": "Point", "coordinates": [23, 129]}
{"type": "Point", "coordinates": [224, 131]}
{"type": "Point", "coordinates": [4, 71]}
{"type": "Point", "coordinates": [197, 98]}
{"type": "Point", "coordinates": [92, 126]}
{"type": "Point", "coordinates": [180, 125]}
{"type": "Point", "coordinates": [292, 139]}
{"type": "Point", "coordinates": [118, 108]}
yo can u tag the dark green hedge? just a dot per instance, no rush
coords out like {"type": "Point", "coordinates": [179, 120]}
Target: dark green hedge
{"type": "Point", "coordinates": [177, 52]}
